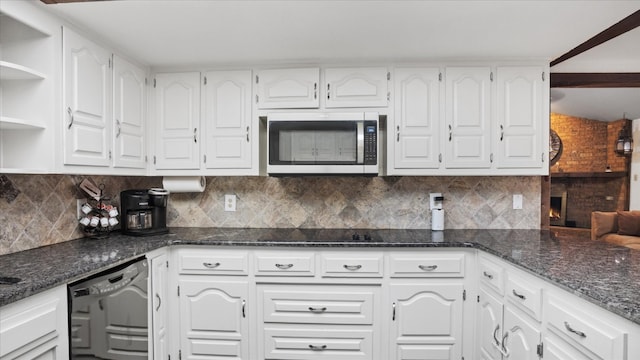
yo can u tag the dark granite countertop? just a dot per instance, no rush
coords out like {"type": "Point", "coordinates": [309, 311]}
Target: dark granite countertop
{"type": "Point", "coordinates": [604, 274]}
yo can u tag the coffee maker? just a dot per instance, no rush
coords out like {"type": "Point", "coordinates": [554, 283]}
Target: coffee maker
{"type": "Point", "coordinates": [144, 212]}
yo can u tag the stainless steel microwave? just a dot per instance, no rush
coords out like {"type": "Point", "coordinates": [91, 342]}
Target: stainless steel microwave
{"type": "Point", "coordinates": [322, 144]}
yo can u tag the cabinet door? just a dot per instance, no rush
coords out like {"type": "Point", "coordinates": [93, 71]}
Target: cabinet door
{"type": "Point", "coordinates": [159, 311]}
{"type": "Point", "coordinates": [227, 119]}
{"type": "Point", "coordinates": [177, 120]}
{"type": "Point", "coordinates": [521, 336]}
{"type": "Point", "coordinates": [129, 114]}
{"type": "Point", "coordinates": [558, 349]}
{"type": "Point", "coordinates": [426, 320]}
{"type": "Point", "coordinates": [356, 87]}
{"type": "Point", "coordinates": [213, 320]}
{"type": "Point", "coordinates": [288, 88]}
{"type": "Point", "coordinates": [468, 117]}
{"type": "Point", "coordinates": [520, 117]}
{"type": "Point", "coordinates": [416, 142]}
{"type": "Point", "coordinates": [489, 330]}
{"type": "Point", "coordinates": [87, 101]}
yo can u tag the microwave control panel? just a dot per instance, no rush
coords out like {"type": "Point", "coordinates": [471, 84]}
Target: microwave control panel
{"type": "Point", "coordinates": [370, 143]}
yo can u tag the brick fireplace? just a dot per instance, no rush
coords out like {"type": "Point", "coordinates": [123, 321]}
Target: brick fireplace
{"type": "Point", "coordinates": [589, 174]}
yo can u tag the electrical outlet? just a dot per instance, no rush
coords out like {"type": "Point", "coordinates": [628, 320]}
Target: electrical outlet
{"type": "Point", "coordinates": [229, 202]}
{"type": "Point", "coordinates": [517, 201]}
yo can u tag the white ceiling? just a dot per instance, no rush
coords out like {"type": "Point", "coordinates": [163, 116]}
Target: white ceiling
{"type": "Point", "coordinates": [171, 34]}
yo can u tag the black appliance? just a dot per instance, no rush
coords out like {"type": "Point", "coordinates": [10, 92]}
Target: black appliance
{"type": "Point", "coordinates": [108, 314]}
{"type": "Point", "coordinates": [144, 212]}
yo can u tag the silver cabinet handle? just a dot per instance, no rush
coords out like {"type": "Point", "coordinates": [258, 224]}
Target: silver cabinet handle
{"type": "Point", "coordinates": [518, 295]}
{"type": "Point", "coordinates": [119, 128]}
{"type": "Point", "coordinates": [393, 315]}
{"type": "Point", "coordinates": [317, 310]}
{"type": "Point", "coordinates": [450, 132]}
{"type": "Point", "coordinates": [352, 267]}
{"type": "Point", "coordinates": [503, 346]}
{"type": "Point", "coordinates": [428, 267]}
{"type": "Point", "coordinates": [211, 265]}
{"type": "Point", "coordinates": [487, 275]}
{"type": "Point", "coordinates": [570, 329]}
{"type": "Point", "coordinates": [317, 348]}
{"type": "Point", "coordinates": [284, 266]}
{"type": "Point", "coordinates": [244, 306]}
{"type": "Point", "coordinates": [315, 91]}
{"type": "Point", "coordinates": [159, 302]}
{"type": "Point", "coordinates": [398, 133]}
{"type": "Point", "coordinates": [328, 91]}
{"type": "Point", "coordinates": [70, 117]}
{"type": "Point", "coordinates": [495, 337]}
{"type": "Point", "coordinates": [501, 132]}
{"type": "Point", "coordinates": [195, 135]}
{"type": "Point", "coordinates": [247, 134]}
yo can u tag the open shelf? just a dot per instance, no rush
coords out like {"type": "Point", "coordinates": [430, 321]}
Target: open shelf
{"type": "Point", "coordinates": [11, 71]}
{"type": "Point", "coordinates": [9, 123]}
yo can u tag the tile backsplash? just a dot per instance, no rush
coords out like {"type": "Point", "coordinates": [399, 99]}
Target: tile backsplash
{"type": "Point", "coordinates": [37, 210]}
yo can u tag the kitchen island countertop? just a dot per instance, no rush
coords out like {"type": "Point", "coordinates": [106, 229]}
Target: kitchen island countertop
{"type": "Point", "coordinates": [602, 273]}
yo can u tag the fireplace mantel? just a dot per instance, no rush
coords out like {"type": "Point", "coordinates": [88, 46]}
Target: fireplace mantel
{"type": "Point", "coordinates": [613, 174]}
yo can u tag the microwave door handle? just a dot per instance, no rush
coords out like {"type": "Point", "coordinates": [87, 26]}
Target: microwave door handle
{"type": "Point", "coordinates": [360, 142]}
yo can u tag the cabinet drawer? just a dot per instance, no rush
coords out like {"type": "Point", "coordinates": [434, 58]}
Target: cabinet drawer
{"type": "Point", "coordinates": [426, 265]}
{"type": "Point", "coordinates": [492, 275]}
{"type": "Point", "coordinates": [303, 344]}
{"type": "Point", "coordinates": [525, 294]}
{"type": "Point", "coordinates": [207, 261]}
{"type": "Point", "coordinates": [289, 264]}
{"type": "Point", "coordinates": [318, 304]}
{"type": "Point", "coordinates": [350, 265]}
{"type": "Point", "coordinates": [583, 327]}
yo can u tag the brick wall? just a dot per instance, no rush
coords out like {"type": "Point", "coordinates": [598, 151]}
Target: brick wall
{"type": "Point", "coordinates": [588, 147]}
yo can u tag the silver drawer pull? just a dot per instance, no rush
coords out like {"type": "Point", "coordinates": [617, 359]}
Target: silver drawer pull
{"type": "Point", "coordinates": [352, 267]}
{"type": "Point", "coordinates": [518, 295]}
{"type": "Point", "coordinates": [284, 266]}
{"type": "Point", "coordinates": [570, 329]}
{"type": "Point", "coordinates": [159, 302]}
{"type": "Point", "coordinates": [317, 310]}
{"type": "Point", "coordinates": [317, 348]}
{"type": "Point", "coordinates": [487, 275]}
{"type": "Point", "coordinates": [428, 267]}
{"type": "Point", "coordinates": [211, 265]}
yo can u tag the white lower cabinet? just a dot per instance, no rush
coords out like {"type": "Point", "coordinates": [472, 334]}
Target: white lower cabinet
{"type": "Point", "coordinates": [374, 304]}
{"type": "Point", "coordinates": [213, 318]}
{"type": "Point", "coordinates": [508, 316]}
{"type": "Point", "coordinates": [426, 320]}
{"type": "Point", "coordinates": [158, 304]}
{"type": "Point", "coordinates": [35, 327]}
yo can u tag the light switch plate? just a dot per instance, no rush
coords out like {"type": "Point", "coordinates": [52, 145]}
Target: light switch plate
{"type": "Point", "coordinates": [517, 201]}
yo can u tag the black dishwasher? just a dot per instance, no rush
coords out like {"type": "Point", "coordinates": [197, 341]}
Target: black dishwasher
{"type": "Point", "coordinates": [108, 313]}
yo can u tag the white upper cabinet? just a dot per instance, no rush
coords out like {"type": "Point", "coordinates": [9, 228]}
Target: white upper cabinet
{"type": "Point", "coordinates": [468, 117]}
{"type": "Point", "coordinates": [129, 114]}
{"type": "Point", "coordinates": [520, 117]}
{"type": "Point", "coordinates": [288, 88]}
{"type": "Point", "coordinates": [29, 67]}
{"type": "Point", "coordinates": [87, 101]}
{"type": "Point", "coordinates": [177, 105]}
{"type": "Point", "coordinates": [228, 131]}
{"type": "Point", "coordinates": [356, 87]}
{"type": "Point", "coordinates": [415, 140]}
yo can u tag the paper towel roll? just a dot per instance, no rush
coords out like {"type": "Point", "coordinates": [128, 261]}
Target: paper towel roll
{"type": "Point", "coordinates": [437, 219]}
{"type": "Point", "coordinates": [181, 184]}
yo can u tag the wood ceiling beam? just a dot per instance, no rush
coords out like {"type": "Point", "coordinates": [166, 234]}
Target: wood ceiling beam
{"type": "Point", "coordinates": [629, 23]}
{"type": "Point", "coordinates": [595, 80]}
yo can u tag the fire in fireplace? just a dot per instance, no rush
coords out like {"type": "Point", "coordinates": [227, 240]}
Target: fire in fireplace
{"type": "Point", "coordinates": [558, 209]}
